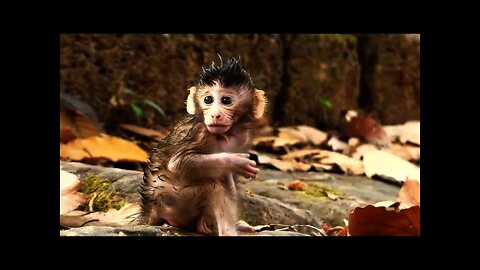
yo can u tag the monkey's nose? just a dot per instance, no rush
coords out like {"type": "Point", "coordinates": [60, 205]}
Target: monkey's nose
{"type": "Point", "coordinates": [215, 116]}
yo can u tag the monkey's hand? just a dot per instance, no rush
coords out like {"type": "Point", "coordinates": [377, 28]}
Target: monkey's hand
{"type": "Point", "coordinates": [240, 164]}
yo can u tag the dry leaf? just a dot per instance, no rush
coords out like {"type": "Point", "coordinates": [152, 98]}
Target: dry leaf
{"type": "Point", "coordinates": [337, 145]}
{"type": "Point", "coordinates": [312, 134]}
{"type": "Point", "coordinates": [409, 194]}
{"type": "Point", "coordinates": [109, 147]}
{"type": "Point", "coordinates": [408, 132]}
{"type": "Point", "coordinates": [406, 152]}
{"type": "Point", "coordinates": [77, 124]}
{"type": "Point", "coordinates": [157, 135]}
{"type": "Point", "coordinates": [282, 165]}
{"type": "Point", "coordinates": [366, 128]}
{"type": "Point", "coordinates": [383, 163]}
{"type": "Point", "coordinates": [265, 141]}
{"type": "Point", "coordinates": [70, 199]}
{"type": "Point", "coordinates": [347, 164]}
{"type": "Point", "coordinates": [299, 154]}
{"type": "Point", "coordinates": [296, 185]}
{"type": "Point", "coordinates": [362, 149]}
{"type": "Point", "coordinates": [323, 167]}
{"type": "Point", "coordinates": [289, 136]}
{"type": "Point", "coordinates": [114, 217]}
{"type": "Point", "coordinates": [300, 166]}
{"type": "Point", "coordinates": [381, 221]}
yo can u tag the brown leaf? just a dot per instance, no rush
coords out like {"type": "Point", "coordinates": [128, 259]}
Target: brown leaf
{"type": "Point", "coordinates": [289, 136]}
{"type": "Point", "coordinates": [157, 135]}
{"type": "Point", "coordinates": [408, 132]}
{"type": "Point", "coordinates": [409, 194]}
{"type": "Point", "coordinates": [299, 154]}
{"type": "Point", "coordinates": [406, 152]}
{"type": "Point", "coordinates": [323, 167]}
{"type": "Point", "coordinates": [300, 166]}
{"type": "Point", "coordinates": [70, 199]}
{"type": "Point", "coordinates": [381, 221]}
{"type": "Point", "coordinates": [77, 124]}
{"type": "Point", "coordinates": [347, 164]}
{"type": "Point", "coordinates": [312, 134]}
{"type": "Point", "coordinates": [383, 163]}
{"type": "Point", "coordinates": [265, 141]}
{"type": "Point", "coordinates": [104, 146]}
{"type": "Point", "coordinates": [282, 165]}
{"type": "Point", "coordinates": [114, 217]}
{"type": "Point", "coordinates": [296, 185]}
{"type": "Point", "coordinates": [362, 149]}
{"type": "Point", "coordinates": [366, 128]}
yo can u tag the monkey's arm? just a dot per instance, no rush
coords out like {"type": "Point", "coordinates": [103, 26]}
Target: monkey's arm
{"type": "Point", "coordinates": [212, 165]}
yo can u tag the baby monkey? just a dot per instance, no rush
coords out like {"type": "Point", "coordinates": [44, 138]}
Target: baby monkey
{"type": "Point", "coordinates": [189, 179]}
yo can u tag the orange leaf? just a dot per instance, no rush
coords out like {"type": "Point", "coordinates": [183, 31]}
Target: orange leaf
{"type": "Point", "coordinates": [409, 194]}
{"type": "Point", "coordinates": [78, 124]}
{"type": "Point", "coordinates": [381, 221]}
{"type": "Point", "coordinates": [109, 147]}
{"type": "Point", "coordinates": [157, 135]}
{"type": "Point", "coordinates": [299, 154]}
{"type": "Point", "coordinates": [296, 185]}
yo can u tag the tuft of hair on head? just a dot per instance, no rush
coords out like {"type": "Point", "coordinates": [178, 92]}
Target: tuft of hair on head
{"type": "Point", "coordinates": [228, 74]}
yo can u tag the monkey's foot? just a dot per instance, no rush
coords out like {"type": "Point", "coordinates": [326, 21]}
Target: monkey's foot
{"type": "Point", "coordinates": [243, 226]}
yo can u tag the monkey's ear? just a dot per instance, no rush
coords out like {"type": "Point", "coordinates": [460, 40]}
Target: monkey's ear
{"type": "Point", "coordinates": [259, 102]}
{"type": "Point", "coordinates": [190, 103]}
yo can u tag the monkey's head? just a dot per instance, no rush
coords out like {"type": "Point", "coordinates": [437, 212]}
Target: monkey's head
{"type": "Point", "coordinates": [225, 96]}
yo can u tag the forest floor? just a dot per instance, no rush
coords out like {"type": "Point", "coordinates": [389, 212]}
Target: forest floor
{"type": "Point", "coordinates": [327, 198]}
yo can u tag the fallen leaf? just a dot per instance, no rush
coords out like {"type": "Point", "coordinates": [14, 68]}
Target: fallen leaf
{"type": "Point", "coordinates": [409, 194]}
{"type": "Point", "coordinates": [380, 221]}
{"type": "Point", "coordinates": [70, 199]}
{"type": "Point", "coordinates": [385, 164]}
{"type": "Point", "coordinates": [300, 166]}
{"type": "Point", "coordinates": [406, 152]}
{"type": "Point", "coordinates": [76, 124]}
{"type": "Point", "coordinates": [289, 136]}
{"type": "Point", "coordinates": [112, 217]}
{"type": "Point", "coordinates": [299, 154]}
{"type": "Point", "coordinates": [296, 185]}
{"type": "Point", "coordinates": [347, 164]}
{"type": "Point", "coordinates": [337, 145]}
{"type": "Point", "coordinates": [362, 149]}
{"type": "Point", "coordinates": [282, 165]}
{"type": "Point", "coordinates": [323, 167]}
{"type": "Point", "coordinates": [366, 128]}
{"type": "Point", "coordinates": [265, 141]}
{"type": "Point", "coordinates": [312, 134]}
{"type": "Point", "coordinates": [408, 132]}
{"type": "Point", "coordinates": [157, 135]}
{"type": "Point", "coordinates": [104, 146]}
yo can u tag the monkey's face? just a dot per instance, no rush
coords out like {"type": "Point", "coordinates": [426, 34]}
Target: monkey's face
{"type": "Point", "coordinates": [218, 107]}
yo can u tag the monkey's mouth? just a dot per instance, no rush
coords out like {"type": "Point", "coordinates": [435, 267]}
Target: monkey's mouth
{"type": "Point", "coordinates": [218, 129]}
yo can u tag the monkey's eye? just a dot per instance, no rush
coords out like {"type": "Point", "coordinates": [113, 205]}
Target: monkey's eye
{"type": "Point", "coordinates": [208, 100]}
{"type": "Point", "coordinates": [226, 100]}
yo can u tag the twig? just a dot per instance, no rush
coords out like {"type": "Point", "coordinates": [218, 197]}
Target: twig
{"type": "Point", "coordinates": [90, 203]}
{"type": "Point", "coordinates": [293, 227]}
{"type": "Point", "coordinates": [92, 220]}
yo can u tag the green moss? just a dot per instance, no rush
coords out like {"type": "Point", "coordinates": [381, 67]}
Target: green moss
{"type": "Point", "coordinates": [98, 188]}
{"type": "Point", "coordinates": [316, 191]}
